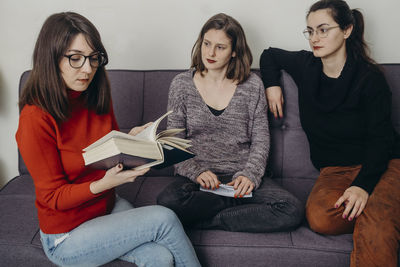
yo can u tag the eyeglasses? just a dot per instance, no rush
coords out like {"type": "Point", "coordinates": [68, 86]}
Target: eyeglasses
{"type": "Point", "coordinates": [322, 32]}
{"type": "Point", "coordinates": [78, 60]}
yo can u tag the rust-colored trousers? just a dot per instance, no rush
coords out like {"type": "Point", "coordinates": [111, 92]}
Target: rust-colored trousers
{"type": "Point", "coordinates": [376, 232]}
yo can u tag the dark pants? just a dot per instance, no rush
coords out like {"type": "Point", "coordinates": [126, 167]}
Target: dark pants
{"type": "Point", "coordinates": [376, 232]}
{"type": "Point", "coordinates": [271, 208]}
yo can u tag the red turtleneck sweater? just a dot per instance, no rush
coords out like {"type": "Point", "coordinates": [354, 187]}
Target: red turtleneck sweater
{"type": "Point", "coordinates": [52, 153]}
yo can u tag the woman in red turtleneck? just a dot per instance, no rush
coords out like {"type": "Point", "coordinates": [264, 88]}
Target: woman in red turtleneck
{"type": "Point", "coordinates": [65, 106]}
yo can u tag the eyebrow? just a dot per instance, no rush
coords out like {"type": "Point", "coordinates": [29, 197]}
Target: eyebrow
{"type": "Point", "coordinates": [74, 50]}
{"type": "Point", "coordinates": [320, 25]}
{"type": "Point", "coordinates": [204, 39]}
{"type": "Point", "coordinates": [80, 52]}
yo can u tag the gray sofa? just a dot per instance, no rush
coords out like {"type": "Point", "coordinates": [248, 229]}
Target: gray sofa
{"type": "Point", "coordinates": [141, 96]}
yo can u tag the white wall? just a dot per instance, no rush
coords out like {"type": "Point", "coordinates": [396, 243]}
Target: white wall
{"type": "Point", "coordinates": [159, 34]}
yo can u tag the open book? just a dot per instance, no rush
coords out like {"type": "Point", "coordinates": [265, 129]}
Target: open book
{"type": "Point", "coordinates": [146, 149]}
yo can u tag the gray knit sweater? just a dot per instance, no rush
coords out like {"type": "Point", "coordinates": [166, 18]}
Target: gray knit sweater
{"type": "Point", "coordinates": [234, 143]}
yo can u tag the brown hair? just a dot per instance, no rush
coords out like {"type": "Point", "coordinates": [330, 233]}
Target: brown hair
{"type": "Point", "coordinates": [239, 66]}
{"type": "Point", "coordinates": [345, 17]}
{"type": "Point", "coordinates": [45, 87]}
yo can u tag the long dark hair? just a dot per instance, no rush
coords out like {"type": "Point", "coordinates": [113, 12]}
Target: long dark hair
{"type": "Point", "coordinates": [345, 17]}
{"type": "Point", "coordinates": [45, 87]}
{"type": "Point", "coordinates": [239, 66]}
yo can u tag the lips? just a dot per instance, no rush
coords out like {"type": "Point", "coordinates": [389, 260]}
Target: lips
{"type": "Point", "coordinates": [210, 61]}
{"type": "Point", "coordinates": [317, 47]}
{"type": "Point", "coordinates": [83, 80]}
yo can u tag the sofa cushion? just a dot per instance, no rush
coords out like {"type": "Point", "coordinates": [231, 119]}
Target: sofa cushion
{"type": "Point", "coordinates": [155, 100]}
{"type": "Point", "coordinates": [127, 94]}
{"type": "Point", "coordinates": [19, 222]}
{"type": "Point", "coordinates": [20, 185]}
{"type": "Point", "coordinates": [221, 248]}
{"type": "Point", "coordinates": [392, 73]}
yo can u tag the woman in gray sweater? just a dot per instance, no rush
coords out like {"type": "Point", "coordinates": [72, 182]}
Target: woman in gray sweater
{"type": "Point", "coordinates": [222, 106]}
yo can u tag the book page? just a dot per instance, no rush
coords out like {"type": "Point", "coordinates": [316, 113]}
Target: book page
{"type": "Point", "coordinates": [109, 136]}
{"type": "Point", "coordinates": [150, 132]}
{"type": "Point", "coordinates": [224, 190]}
{"type": "Point", "coordinates": [177, 145]}
{"type": "Point", "coordinates": [169, 132]}
{"type": "Point", "coordinates": [151, 164]}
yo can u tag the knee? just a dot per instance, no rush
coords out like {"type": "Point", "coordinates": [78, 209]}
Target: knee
{"type": "Point", "coordinates": [319, 218]}
{"type": "Point", "coordinates": [162, 257]}
{"type": "Point", "coordinates": [150, 254]}
{"type": "Point", "coordinates": [296, 211]}
{"type": "Point", "coordinates": [293, 210]}
{"type": "Point", "coordinates": [164, 214]}
{"type": "Point", "coordinates": [168, 199]}
{"type": "Point", "coordinates": [175, 195]}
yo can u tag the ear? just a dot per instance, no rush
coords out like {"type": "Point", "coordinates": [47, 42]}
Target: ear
{"type": "Point", "coordinates": [347, 32]}
{"type": "Point", "coordinates": [233, 54]}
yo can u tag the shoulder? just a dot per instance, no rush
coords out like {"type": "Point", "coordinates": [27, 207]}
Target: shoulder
{"type": "Point", "coordinates": [277, 52]}
{"type": "Point", "coordinates": [183, 77]}
{"type": "Point", "coordinates": [372, 80]}
{"type": "Point", "coordinates": [254, 82]}
{"type": "Point", "coordinates": [33, 121]}
{"type": "Point", "coordinates": [374, 74]}
{"type": "Point", "coordinates": [181, 87]}
{"type": "Point", "coordinates": [35, 118]}
{"type": "Point", "coordinates": [35, 113]}
{"type": "Point", "coordinates": [181, 82]}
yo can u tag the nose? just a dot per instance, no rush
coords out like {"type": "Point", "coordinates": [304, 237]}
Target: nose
{"type": "Point", "coordinates": [87, 68]}
{"type": "Point", "coordinates": [211, 51]}
{"type": "Point", "coordinates": [314, 38]}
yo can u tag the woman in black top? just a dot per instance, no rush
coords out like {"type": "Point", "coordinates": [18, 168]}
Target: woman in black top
{"type": "Point", "coordinates": [345, 110]}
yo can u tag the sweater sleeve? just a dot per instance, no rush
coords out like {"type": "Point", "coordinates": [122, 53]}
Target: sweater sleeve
{"type": "Point", "coordinates": [379, 137]}
{"type": "Point", "coordinates": [177, 119]}
{"type": "Point", "coordinates": [260, 139]}
{"type": "Point", "coordinates": [273, 60]}
{"type": "Point", "coordinates": [37, 143]}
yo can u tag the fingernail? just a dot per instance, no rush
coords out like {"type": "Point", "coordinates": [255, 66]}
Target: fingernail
{"type": "Point", "coordinates": [241, 195]}
{"type": "Point", "coordinates": [120, 165]}
{"type": "Point", "coordinates": [336, 206]}
{"type": "Point", "coordinates": [235, 196]}
{"type": "Point", "coordinates": [350, 218]}
{"type": "Point", "coordinates": [344, 216]}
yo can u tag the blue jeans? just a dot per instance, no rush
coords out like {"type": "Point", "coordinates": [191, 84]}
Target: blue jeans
{"type": "Point", "coordinates": [271, 208]}
{"type": "Point", "coordinates": [147, 236]}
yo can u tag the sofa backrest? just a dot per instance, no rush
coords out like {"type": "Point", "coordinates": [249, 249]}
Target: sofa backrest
{"type": "Point", "coordinates": [141, 96]}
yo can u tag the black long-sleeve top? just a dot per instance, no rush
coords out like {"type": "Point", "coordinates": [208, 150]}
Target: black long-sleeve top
{"type": "Point", "coordinates": [347, 120]}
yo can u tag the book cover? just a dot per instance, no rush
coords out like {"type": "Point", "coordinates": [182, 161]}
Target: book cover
{"type": "Point", "coordinates": [173, 155]}
{"type": "Point", "coordinates": [128, 161]}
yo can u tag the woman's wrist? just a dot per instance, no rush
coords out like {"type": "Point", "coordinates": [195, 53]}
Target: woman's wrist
{"type": "Point", "coordinates": [98, 186]}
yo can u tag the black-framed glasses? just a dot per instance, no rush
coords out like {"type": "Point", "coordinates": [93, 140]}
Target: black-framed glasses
{"type": "Point", "coordinates": [76, 61]}
{"type": "Point", "coordinates": [322, 32]}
